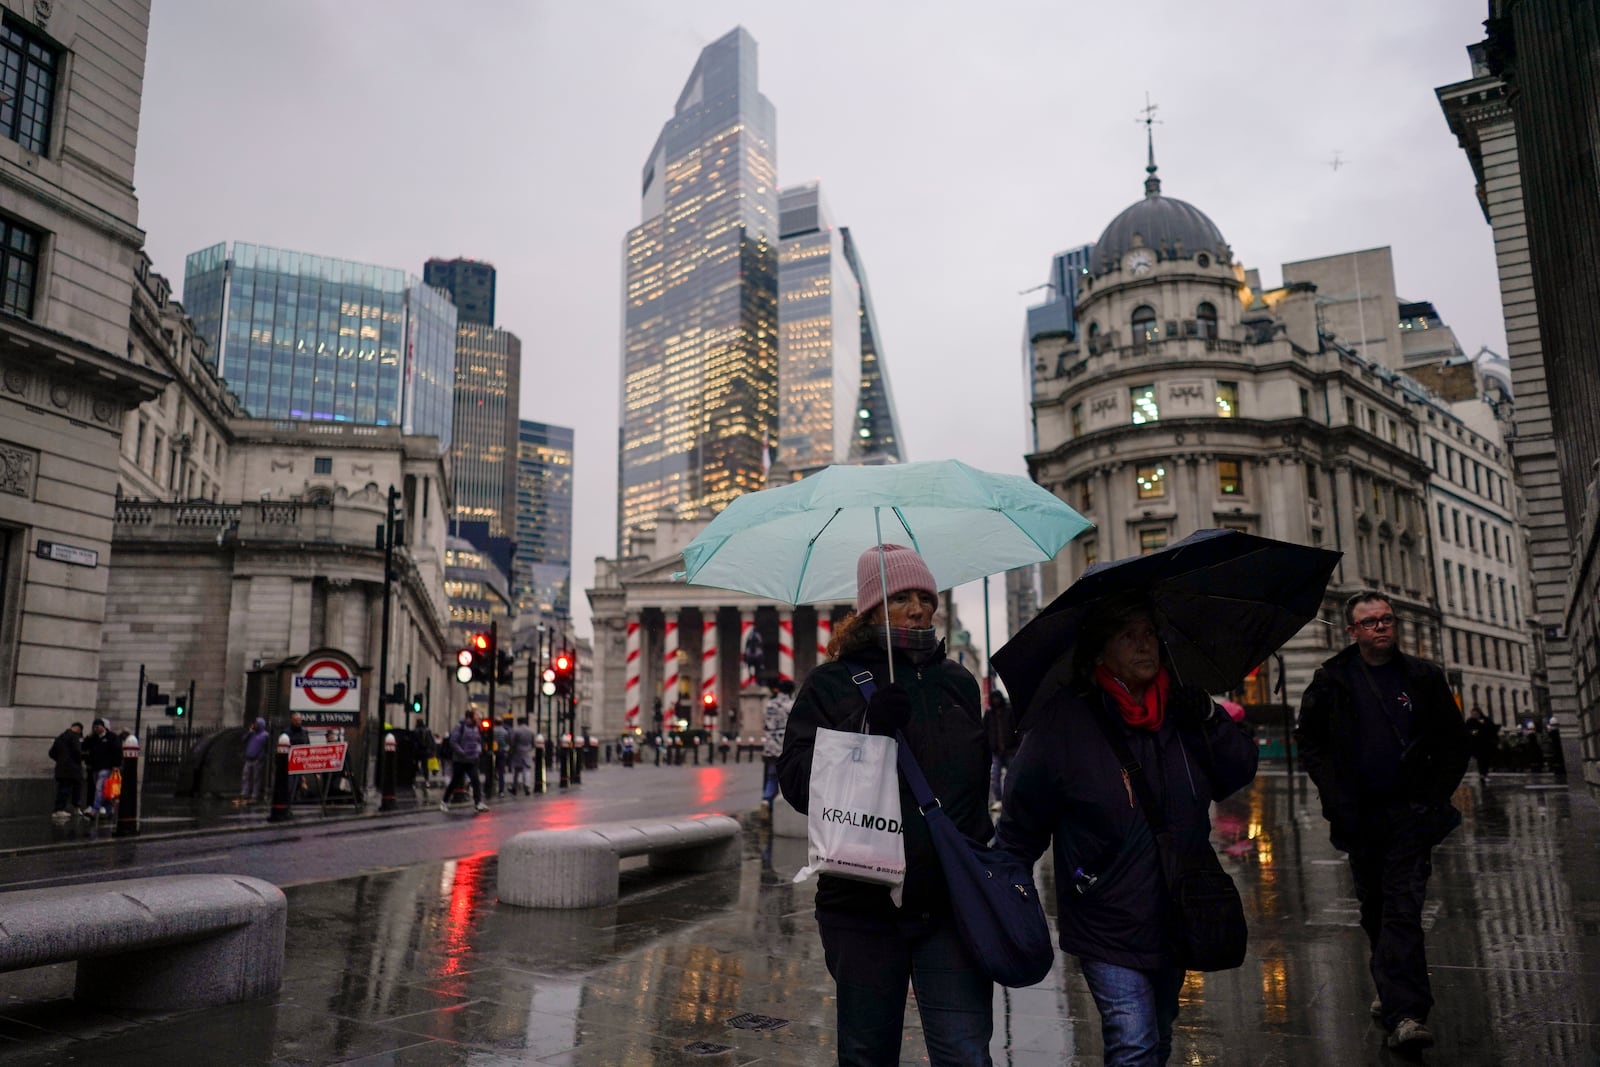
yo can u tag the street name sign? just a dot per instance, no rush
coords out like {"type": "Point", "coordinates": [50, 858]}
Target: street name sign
{"type": "Point", "coordinates": [317, 759]}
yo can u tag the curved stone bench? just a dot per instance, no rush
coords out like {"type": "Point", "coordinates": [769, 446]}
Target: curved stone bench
{"type": "Point", "coordinates": [580, 868]}
{"type": "Point", "coordinates": [182, 941]}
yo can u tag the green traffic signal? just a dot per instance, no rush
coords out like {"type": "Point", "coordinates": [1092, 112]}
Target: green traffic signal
{"type": "Point", "coordinates": [177, 710]}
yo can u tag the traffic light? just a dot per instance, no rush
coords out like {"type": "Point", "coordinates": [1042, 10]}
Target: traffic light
{"type": "Point", "coordinates": [416, 703]}
{"type": "Point", "coordinates": [549, 686]}
{"type": "Point", "coordinates": [505, 662]}
{"type": "Point", "coordinates": [708, 703]}
{"type": "Point", "coordinates": [466, 665]}
{"type": "Point", "coordinates": [482, 657]}
{"type": "Point", "coordinates": [397, 516]}
{"type": "Point", "coordinates": [564, 663]}
{"type": "Point", "coordinates": [177, 709]}
{"type": "Point", "coordinates": [153, 696]}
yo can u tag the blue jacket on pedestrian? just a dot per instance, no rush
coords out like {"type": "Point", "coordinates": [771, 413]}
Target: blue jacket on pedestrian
{"type": "Point", "coordinates": [466, 744]}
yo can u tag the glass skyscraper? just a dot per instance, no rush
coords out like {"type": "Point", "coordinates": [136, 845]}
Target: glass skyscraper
{"type": "Point", "coordinates": [470, 283]}
{"type": "Point", "coordinates": [819, 337]}
{"type": "Point", "coordinates": [483, 456]}
{"type": "Point", "coordinates": [299, 336]}
{"type": "Point", "coordinates": [877, 434]}
{"type": "Point", "coordinates": [700, 333]}
{"type": "Point", "coordinates": [541, 579]}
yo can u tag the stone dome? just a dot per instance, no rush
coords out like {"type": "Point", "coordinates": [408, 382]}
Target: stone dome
{"type": "Point", "coordinates": [1176, 229]}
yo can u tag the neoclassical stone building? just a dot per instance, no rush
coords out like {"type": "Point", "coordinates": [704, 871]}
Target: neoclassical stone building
{"type": "Point", "coordinates": [1189, 398]}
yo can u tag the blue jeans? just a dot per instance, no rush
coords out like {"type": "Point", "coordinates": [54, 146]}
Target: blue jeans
{"type": "Point", "coordinates": [871, 965]}
{"type": "Point", "coordinates": [769, 778]}
{"type": "Point", "coordinates": [97, 801]}
{"type": "Point", "coordinates": [997, 779]}
{"type": "Point", "coordinates": [1137, 1010]}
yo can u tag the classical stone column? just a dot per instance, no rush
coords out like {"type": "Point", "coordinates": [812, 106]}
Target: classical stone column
{"type": "Point", "coordinates": [669, 661]}
{"type": "Point", "coordinates": [786, 644]}
{"type": "Point", "coordinates": [747, 626]}
{"type": "Point", "coordinates": [824, 633]}
{"type": "Point", "coordinates": [632, 691]}
{"type": "Point", "coordinates": [708, 656]}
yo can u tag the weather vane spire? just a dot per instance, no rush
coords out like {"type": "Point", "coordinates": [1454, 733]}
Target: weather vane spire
{"type": "Point", "coordinates": [1152, 184]}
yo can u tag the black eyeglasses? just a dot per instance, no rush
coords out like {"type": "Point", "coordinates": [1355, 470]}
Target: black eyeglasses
{"type": "Point", "coordinates": [1382, 622]}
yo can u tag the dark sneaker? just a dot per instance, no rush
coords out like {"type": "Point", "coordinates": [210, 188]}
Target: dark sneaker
{"type": "Point", "coordinates": [1377, 1007]}
{"type": "Point", "coordinates": [1410, 1036]}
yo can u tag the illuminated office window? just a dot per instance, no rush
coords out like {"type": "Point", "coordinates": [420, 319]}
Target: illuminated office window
{"type": "Point", "coordinates": [1142, 398]}
{"type": "Point", "coordinates": [1152, 481]}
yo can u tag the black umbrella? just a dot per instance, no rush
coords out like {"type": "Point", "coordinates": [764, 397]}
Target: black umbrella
{"type": "Point", "coordinates": [1224, 600]}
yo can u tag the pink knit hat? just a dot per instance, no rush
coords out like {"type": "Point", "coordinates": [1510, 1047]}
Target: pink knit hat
{"type": "Point", "coordinates": [902, 567]}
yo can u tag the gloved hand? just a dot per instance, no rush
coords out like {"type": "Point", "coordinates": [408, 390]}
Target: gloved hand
{"type": "Point", "coordinates": [889, 710]}
{"type": "Point", "coordinates": [1190, 706]}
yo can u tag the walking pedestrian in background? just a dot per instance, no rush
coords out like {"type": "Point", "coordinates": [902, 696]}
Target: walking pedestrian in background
{"type": "Point", "coordinates": [521, 756]}
{"type": "Point", "coordinates": [1381, 736]}
{"type": "Point", "coordinates": [67, 752]}
{"type": "Point", "coordinates": [1483, 740]}
{"type": "Point", "coordinates": [1000, 728]}
{"type": "Point", "coordinates": [254, 779]}
{"type": "Point", "coordinates": [466, 745]}
{"type": "Point", "coordinates": [1069, 790]}
{"type": "Point", "coordinates": [774, 721]}
{"type": "Point", "coordinates": [872, 949]}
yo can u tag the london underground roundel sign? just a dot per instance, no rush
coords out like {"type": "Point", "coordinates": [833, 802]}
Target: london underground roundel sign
{"type": "Point", "coordinates": [325, 684]}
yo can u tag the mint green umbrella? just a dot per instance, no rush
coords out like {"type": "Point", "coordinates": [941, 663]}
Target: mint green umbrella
{"type": "Point", "coordinates": [799, 542]}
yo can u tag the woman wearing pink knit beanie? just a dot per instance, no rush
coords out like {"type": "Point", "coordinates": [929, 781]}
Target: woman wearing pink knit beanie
{"type": "Point", "coordinates": [873, 949]}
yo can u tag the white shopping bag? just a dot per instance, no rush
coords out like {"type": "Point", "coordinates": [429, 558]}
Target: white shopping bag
{"type": "Point", "coordinates": [854, 819]}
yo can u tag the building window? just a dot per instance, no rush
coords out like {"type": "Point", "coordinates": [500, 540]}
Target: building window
{"type": "Point", "coordinates": [1230, 481]}
{"type": "Point", "coordinates": [1313, 488]}
{"type": "Point", "coordinates": [1227, 399]}
{"type": "Point", "coordinates": [1206, 316]}
{"type": "Point", "coordinates": [1152, 541]}
{"type": "Point", "coordinates": [1442, 523]}
{"type": "Point", "coordinates": [27, 86]}
{"type": "Point", "coordinates": [1091, 551]}
{"type": "Point", "coordinates": [1152, 481]}
{"type": "Point", "coordinates": [1316, 536]}
{"type": "Point", "coordinates": [19, 266]}
{"type": "Point", "coordinates": [322, 465]}
{"type": "Point", "coordinates": [1144, 324]}
{"type": "Point", "coordinates": [1077, 420]}
{"type": "Point", "coordinates": [1305, 403]}
{"type": "Point", "coordinates": [1086, 495]}
{"type": "Point", "coordinates": [1349, 411]}
{"type": "Point", "coordinates": [1094, 338]}
{"type": "Point", "coordinates": [1142, 398]}
{"type": "Point", "coordinates": [1455, 525]}
{"type": "Point", "coordinates": [1449, 588]}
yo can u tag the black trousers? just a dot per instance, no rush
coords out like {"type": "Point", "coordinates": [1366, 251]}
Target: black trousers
{"type": "Point", "coordinates": [1391, 864]}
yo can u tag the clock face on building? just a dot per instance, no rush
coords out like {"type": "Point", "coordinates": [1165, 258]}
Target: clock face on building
{"type": "Point", "coordinates": [1139, 261]}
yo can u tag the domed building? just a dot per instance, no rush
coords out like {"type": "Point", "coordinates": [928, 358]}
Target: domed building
{"type": "Point", "coordinates": [1187, 398]}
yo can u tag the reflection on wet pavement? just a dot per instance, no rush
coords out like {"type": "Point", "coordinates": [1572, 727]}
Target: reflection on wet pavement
{"type": "Point", "coordinates": [420, 965]}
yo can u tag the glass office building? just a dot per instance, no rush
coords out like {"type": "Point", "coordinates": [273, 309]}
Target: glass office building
{"type": "Point", "coordinates": [877, 435]}
{"type": "Point", "coordinates": [819, 336]}
{"type": "Point", "coordinates": [541, 579]}
{"type": "Point", "coordinates": [298, 336]}
{"type": "Point", "coordinates": [699, 376]}
{"type": "Point", "coordinates": [483, 455]}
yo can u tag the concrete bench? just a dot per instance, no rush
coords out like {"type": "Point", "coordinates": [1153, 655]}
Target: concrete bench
{"type": "Point", "coordinates": [580, 868]}
{"type": "Point", "coordinates": [183, 941]}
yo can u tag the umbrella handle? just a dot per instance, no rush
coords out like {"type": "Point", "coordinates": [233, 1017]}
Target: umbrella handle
{"type": "Point", "coordinates": [883, 588]}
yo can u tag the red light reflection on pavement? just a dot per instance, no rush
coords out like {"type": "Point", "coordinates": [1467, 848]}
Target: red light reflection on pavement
{"type": "Point", "coordinates": [464, 883]}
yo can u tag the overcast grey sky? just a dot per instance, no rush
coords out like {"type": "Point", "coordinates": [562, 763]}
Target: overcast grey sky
{"type": "Point", "coordinates": [963, 144]}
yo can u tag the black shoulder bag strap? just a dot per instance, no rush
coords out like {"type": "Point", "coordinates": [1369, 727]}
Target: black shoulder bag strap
{"type": "Point", "coordinates": [1383, 705]}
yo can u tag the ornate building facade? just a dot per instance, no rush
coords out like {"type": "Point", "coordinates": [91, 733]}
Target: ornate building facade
{"type": "Point", "coordinates": [1188, 398]}
{"type": "Point", "coordinates": [71, 86]}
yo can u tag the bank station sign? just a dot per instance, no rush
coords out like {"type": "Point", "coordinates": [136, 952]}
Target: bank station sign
{"type": "Point", "coordinates": [325, 688]}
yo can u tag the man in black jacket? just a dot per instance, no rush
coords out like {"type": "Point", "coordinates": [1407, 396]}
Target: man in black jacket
{"type": "Point", "coordinates": [1381, 735]}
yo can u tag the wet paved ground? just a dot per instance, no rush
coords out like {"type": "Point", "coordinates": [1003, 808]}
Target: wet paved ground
{"type": "Point", "coordinates": [420, 965]}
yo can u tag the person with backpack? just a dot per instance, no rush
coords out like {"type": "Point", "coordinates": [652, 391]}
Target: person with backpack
{"type": "Point", "coordinates": [1000, 729]}
{"type": "Point", "coordinates": [67, 752]}
{"type": "Point", "coordinates": [466, 746]}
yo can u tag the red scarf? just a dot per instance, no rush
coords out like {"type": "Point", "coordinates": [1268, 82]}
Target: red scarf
{"type": "Point", "coordinates": [1146, 715]}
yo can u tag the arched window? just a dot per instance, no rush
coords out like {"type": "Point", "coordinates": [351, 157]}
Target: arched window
{"type": "Point", "coordinates": [1206, 316]}
{"type": "Point", "coordinates": [1144, 323]}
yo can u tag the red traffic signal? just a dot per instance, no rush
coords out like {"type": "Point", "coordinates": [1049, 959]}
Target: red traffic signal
{"type": "Point", "coordinates": [710, 700]}
{"type": "Point", "coordinates": [486, 724]}
{"type": "Point", "coordinates": [563, 662]}
{"type": "Point", "coordinates": [480, 642]}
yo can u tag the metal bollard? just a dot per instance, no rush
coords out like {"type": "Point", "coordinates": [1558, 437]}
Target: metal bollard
{"type": "Point", "coordinates": [723, 746]}
{"type": "Point", "coordinates": [657, 747]}
{"type": "Point", "coordinates": [280, 782]}
{"type": "Point", "coordinates": [564, 758]}
{"type": "Point", "coordinates": [696, 751]}
{"type": "Point", "coordinates": [386, 775]}
{"type": "Point", "coordinates": [577, 760]}
{"type": "Point", "coordinates": [594, 753]}
{"type": "Point", "coordinates": [128, 801]}
{"type": "Point", "coordinates": [538, 763]}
